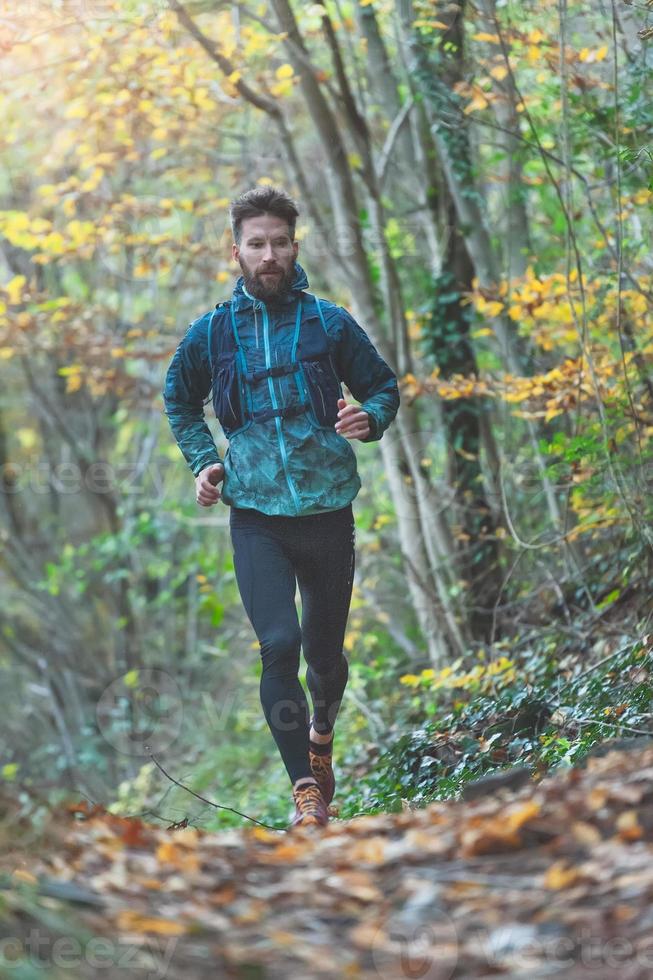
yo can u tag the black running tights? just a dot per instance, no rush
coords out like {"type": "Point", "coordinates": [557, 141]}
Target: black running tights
{"type": "Point", "coordinates": [272, 555]}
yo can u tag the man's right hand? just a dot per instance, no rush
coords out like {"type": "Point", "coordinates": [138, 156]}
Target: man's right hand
{"type": "Point", "coordinates": [206, 490]}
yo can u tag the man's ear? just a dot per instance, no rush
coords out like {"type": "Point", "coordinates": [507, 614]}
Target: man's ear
{"type": "Point", "coordinates": [235, 252]}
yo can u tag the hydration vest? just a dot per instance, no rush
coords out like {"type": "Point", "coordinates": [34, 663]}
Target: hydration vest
{"type": "Point", "coordinates": [317, 384]}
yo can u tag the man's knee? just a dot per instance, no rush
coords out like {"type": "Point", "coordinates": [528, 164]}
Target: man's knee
{"type": "Point", "coordinates": [280, 651]}
{"type": "Point", "coordinates": [327, 666]}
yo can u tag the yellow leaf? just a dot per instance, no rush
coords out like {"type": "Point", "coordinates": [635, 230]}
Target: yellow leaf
{"type": "Point", "coordinates": [409, 679]}
{"type": "Point", "coordinates": [170, 853]}
{"type": "Point", "coordinates": [560, 876]}
{"type": "Point", "coordinates": [26, 437]}
{"type": "Point", "coordinates": [6, 353]}
{"type": "Point", "coordinates": [601, 53]}
{"type": "Point", "coordinates": [19, 874]}
{"type": "Point", "coordinates": [499, 72]}
{"type": "Point", "coordinates": [281, 89]}
{"type": "Point", "coordinates": [260, 833]}
{"type": "Point", "coordinates": [129, 919]}
{"type": "Point", "coordinates": [284, 71]}
{"type": "Point", "coordinates": [73, 383]}
{"type": "Point", "coordinates": [628, 826]}
{"type": "Point", "coordinates": [478, 102]}
{"type": "Point", "coordinates": [483, 332]}
{"type": "Point", "coordinates": [491, 307]}
{"type": "Point", "coordinates": [490, 38]}
{"type": "Point", "coordinates": [14, 289]}
{"type": "Point", "coordinates": [551, 413]}
{"type": "Point", "coordinates": [517, 818]}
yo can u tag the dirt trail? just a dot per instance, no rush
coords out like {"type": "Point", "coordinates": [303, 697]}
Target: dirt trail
{"type": "Point", "coordinates": [555, 880]}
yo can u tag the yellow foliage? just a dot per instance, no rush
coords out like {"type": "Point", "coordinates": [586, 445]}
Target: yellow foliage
{"type": "Point", "coordinates": [478, 102]}
{"type": "Point", "coordinates": [499, 72]}
{"type": "Point", "coordinates": [281, 89]}
{"type": "Point", "coordinates": [14, 289]}
{"type": "Point", "coordinates": [486, 676]}
{"type": "Point", "coordinates": [27, 437]}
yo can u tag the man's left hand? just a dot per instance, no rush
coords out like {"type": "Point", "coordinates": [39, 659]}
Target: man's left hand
{"type": "Point", "coordinates": [353, 422]}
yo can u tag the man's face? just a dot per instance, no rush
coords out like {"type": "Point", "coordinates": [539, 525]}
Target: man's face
{"type": "Point", "coordinates": [266, 256]}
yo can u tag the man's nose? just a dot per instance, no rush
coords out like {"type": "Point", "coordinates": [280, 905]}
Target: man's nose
{"type": "Point", "coordinates": [267, 252]}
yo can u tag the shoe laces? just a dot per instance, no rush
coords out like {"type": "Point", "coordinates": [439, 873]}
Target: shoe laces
{"type": "Point", "coordinates": [308, 798]}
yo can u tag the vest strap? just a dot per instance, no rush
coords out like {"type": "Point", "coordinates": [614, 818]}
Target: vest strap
{"type": "Point", "coordinates": [252, 377]}
{"type": "Point", "coordinates": [286, 412]}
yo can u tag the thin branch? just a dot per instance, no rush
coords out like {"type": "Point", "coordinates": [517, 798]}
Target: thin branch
{"type": "Point", "coordinates": [267, 105]}
{"type": "Point", "coordinates": [391, 138]}
{"type": "Point", "coordinates": [217, 806]}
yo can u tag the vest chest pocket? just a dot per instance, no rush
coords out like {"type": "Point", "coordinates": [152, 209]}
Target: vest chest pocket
{"type": "Point", "coordinates": [324, 391]}
{"type": "Point", "coordinates": [226, 393]}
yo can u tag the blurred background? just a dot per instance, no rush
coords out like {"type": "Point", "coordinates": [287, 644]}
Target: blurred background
{"type": "Point", "coordinates": [475, 185]}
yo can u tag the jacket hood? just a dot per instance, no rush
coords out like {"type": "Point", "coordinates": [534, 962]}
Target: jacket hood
{"type": "Point", "coordinates": [242, 300]}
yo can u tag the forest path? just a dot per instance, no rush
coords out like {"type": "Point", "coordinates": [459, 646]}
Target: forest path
{"type": "Point", "coordinates": [554, 879]}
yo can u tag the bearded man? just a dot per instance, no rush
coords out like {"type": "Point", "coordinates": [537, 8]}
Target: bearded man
{"type": "Point", "coordinates": [274, 357]}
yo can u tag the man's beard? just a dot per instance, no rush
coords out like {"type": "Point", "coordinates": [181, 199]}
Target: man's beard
{"type": "Point", "coordinates": [275, 287]}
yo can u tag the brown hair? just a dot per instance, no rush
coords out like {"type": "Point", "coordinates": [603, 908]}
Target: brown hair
{"type": "Point", "coordinates": [262, 200]}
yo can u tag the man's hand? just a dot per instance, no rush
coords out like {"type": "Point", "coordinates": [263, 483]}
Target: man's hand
{"type": "Point", "coordinates": [353, 422]}
{"type": "Point", "coordinates": [206, 490]}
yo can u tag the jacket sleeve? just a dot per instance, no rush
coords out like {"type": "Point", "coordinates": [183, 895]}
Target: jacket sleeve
{"type": "Point", "coordinates": [370, 380]}
{"type": "Point", "coordinates": [187, 383]}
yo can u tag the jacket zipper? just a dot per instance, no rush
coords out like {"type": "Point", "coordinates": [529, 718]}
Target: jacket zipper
{"type": "Point", "coordinates": [277, 420]}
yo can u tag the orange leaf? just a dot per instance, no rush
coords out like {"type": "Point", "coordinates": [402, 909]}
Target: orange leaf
{"type": "Point", "coordinates": [128, 919]}
{"type": "Point", "coordinates": [560, 876]}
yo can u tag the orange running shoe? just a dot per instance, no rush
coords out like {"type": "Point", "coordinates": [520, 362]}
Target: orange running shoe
{"type": "Point", "coordinates": [321, 763]}
{"type": "Point", "coordinates": [310, 808]}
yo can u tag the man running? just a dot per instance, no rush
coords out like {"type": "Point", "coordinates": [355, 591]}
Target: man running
{"type": "Point", "coordinates": [274, 356]}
